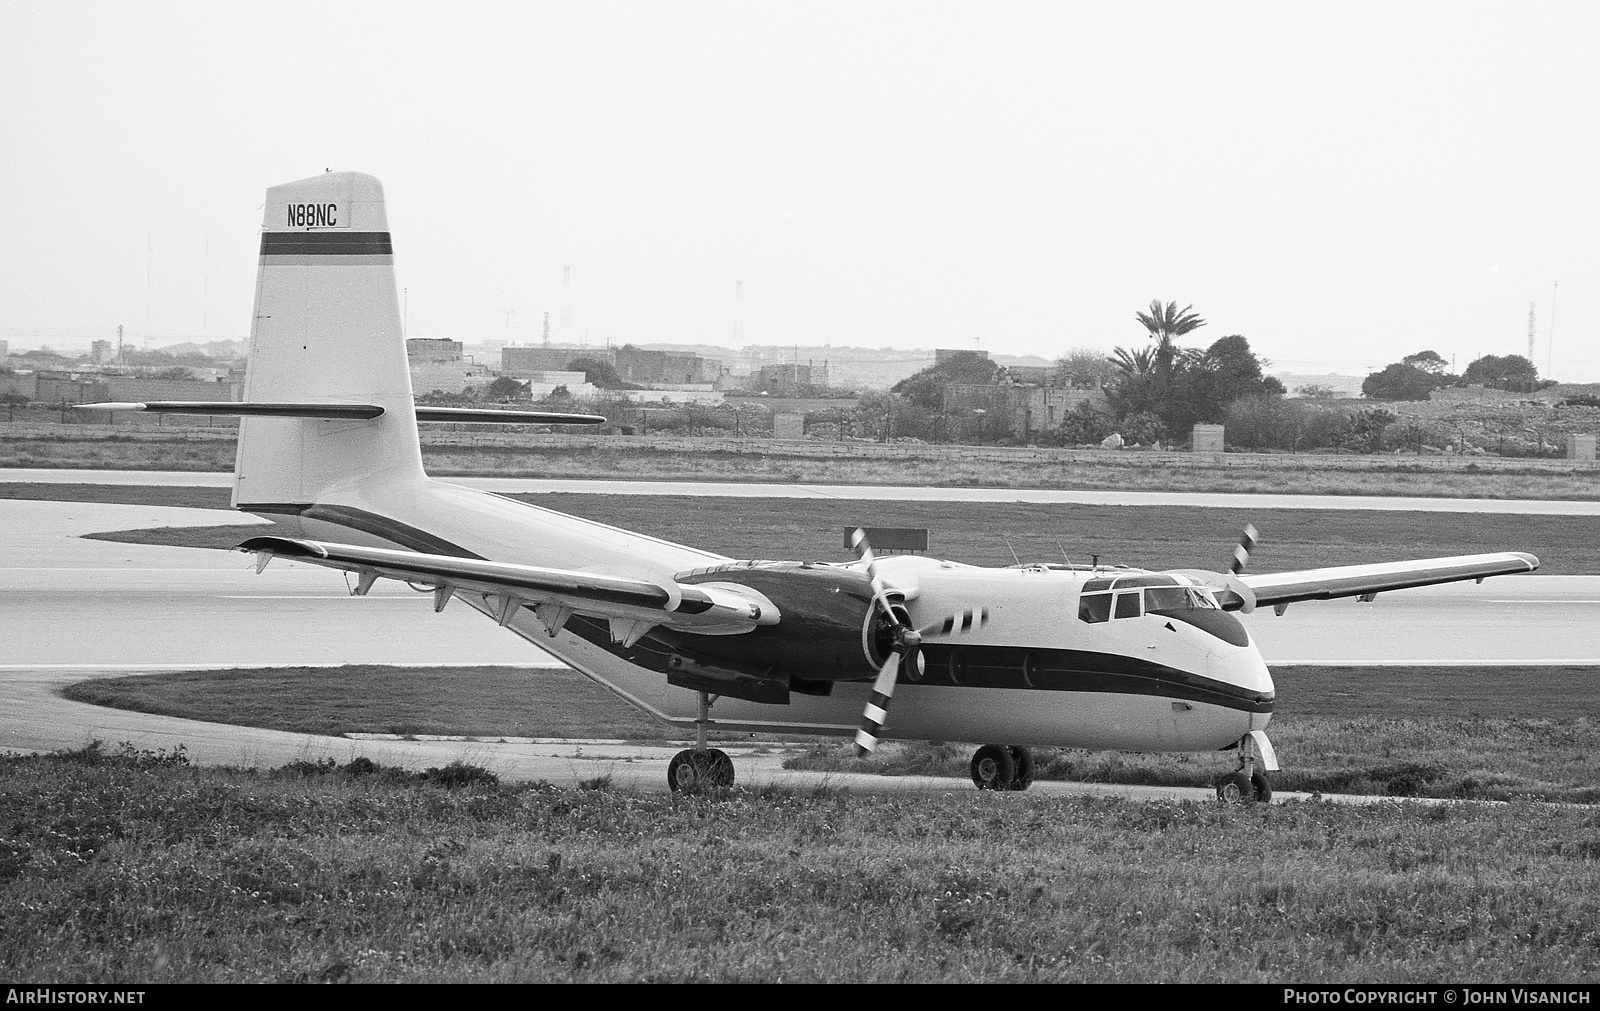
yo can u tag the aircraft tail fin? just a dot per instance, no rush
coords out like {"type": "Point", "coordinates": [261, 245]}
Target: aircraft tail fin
{"type": "Point", "coordinates": [326, 332]}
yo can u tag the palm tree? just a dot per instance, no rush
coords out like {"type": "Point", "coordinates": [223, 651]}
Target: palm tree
{"type": "Point", "coordinates": [1140, 362]}
{"type": "Point", "coordinates": [1166, 324]}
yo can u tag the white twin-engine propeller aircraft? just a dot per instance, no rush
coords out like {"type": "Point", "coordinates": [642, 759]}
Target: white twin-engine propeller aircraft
{"type": "Point", "coordinates": [1028, 655]}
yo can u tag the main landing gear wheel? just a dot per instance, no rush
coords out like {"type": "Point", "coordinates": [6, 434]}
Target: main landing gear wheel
{"type": "Point", "coordinates": [1023, 759]}
{"type": "Point", "coordinates": [993, 767]}
{"type": "Point", "coordinates": [693, 770]}
{"type": "Point", "coordinates": [1244, 788]}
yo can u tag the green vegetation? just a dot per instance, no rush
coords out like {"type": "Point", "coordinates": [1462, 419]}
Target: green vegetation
{"type": "Point", "coordinates": [133, 867]}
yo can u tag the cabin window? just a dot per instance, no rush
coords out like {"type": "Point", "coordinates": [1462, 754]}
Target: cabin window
{"type": "Point", "coordinates": [1094, 607]}
{"type": "Point", "coordinates": [1128, 605]}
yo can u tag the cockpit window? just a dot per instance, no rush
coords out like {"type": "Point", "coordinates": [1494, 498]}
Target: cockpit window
{"type": "Point", "coordinates": [1093, 585]}
{"type": "Point", "coordinates": [1176, 598]}
{"type": "Point", "coordinates": [1128, 605]}
{"type": "Point", "coordinates": [1167, 598]}
{"type": "Point", "coordinates": [1094, 607]}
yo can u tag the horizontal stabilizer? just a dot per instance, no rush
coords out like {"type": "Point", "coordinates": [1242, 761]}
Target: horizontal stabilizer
{"type": "Point", "coordinates": [358, 412]}
{"type": "Point", "coordinates": [346, 412]}
{"type": "Point", "coordinates": [506, 417]}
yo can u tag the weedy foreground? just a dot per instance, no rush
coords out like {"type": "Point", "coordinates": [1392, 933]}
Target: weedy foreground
{"type": "Point", "coordinates": [119, 865]}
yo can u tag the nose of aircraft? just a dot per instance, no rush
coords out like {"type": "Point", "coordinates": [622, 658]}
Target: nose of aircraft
{"type": "Point", "coordinates": [1245, 668]}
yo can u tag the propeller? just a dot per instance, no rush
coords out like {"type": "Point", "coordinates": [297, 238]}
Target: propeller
{"type": "Point", "coordinates": [1241, 551]}
{"type": "Point", "coordinates": [907, 641]}
{"type": "Point", "coordinates": [1232, 593]}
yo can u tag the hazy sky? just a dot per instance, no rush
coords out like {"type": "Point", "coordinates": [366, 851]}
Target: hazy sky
{"type": "Point", "coordinates": [1343, 183]}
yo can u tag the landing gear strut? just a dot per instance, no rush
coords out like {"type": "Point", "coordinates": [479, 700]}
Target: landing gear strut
{"type": "Point", "coordinates": [1002, 767]}
{"type": "Point", "coordinates": [1248, 783]}
{"type": "Point", "coordinates": [700, 768]}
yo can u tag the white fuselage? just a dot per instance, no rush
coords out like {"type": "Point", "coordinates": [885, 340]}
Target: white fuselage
{"type": "Point", "coordinates": [1136, 683]}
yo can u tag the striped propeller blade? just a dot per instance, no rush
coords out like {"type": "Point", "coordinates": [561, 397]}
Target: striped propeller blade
{"type": "Point", "coordinates": [1241, 551]}
{"type": "Point", "coordinates": [858, 540]}
{"type": "Point", "coordinates": [962, 621]}
{"type": "Point", "coordinates": [877, 711]}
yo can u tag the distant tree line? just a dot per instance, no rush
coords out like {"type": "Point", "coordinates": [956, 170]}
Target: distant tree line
{"type": "Point", "coordinates": [1416, 376]}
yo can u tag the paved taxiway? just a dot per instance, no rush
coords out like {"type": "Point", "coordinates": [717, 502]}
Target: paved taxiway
{"type": "Point", "coordinates": [873, 493]}
{"type": "Point", "coordinates": [74, 608]}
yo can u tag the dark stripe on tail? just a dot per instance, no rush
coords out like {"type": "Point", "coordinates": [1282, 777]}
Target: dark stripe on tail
{"type": "Point", "coordinates": [325, 244]}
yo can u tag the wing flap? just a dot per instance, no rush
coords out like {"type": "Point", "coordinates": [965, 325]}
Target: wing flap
{"type": "Point", "coordinates": [1355, 580]}
{"type": "Point", "coordinates": [689, 608]}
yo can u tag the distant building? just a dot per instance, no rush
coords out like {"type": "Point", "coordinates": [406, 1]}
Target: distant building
{"type": "Point", "coordinates": [670, 368]}
{"type": "Point", "coordinates": [99, 351]}
{"type": "Point", "coordinates": [4, 350]}
{"type": "Point", "coordinates": [788, 379]}
{"type": "Point", "coordinates": [136, 389]}
{"type": "Point", "coordinates": [991, 411]}
{"type": "Point", "coordinates": [433, 349]}
{"type": "Point", "coordinates": [519, 363]}
{"type": "Point", "coordinates": [447, 376]}
{"type": "Point", "coordinates": [22, 384]}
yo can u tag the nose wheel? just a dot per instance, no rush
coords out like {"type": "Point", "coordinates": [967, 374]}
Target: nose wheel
{"type": "Point", "coordinates": [1243, 787]}
{"type": "Point", "coordinates": [1002, 767]}
{"type": "Point", "coordinates": [1248, 783]}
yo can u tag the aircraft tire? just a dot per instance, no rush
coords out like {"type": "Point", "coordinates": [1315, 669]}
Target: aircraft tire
{"type": "Point", "coordinates": [1022, 758]}
{"type": "Point", "coordinates": [718, 772]}
{"type": "Point", "coordinates": [691, 771]}
{"type": "Point", "coordinates": [682, 774]}
{"type": "Point", "coordinates": [993, 768]}
{"type": "Point", "coordinates": [1239, 788]}
{"type": "Point", "coordinates": [1263, 788]}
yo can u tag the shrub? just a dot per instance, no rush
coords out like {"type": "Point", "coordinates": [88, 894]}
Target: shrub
{"type": "Point", "coordinates": [459, 774]}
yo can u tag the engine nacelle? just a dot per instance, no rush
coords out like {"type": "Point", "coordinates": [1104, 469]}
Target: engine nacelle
{"type": "Point", "coordinates": [829, 630]}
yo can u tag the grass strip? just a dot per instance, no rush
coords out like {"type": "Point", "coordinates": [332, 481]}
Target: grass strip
{"type": "Point", "coordinates": [120, 867]}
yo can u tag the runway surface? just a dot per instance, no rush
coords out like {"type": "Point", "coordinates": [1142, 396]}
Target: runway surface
{"type": "Point", "coordinates": [873, 493]}
{"type": "Point", "coordinates": [75, 608]}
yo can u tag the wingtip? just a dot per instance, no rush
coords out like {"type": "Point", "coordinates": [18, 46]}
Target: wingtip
{"type": "Point", "coordinates": [1531, 559]}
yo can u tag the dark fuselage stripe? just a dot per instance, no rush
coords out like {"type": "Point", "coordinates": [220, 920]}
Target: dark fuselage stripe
{"type": "Point", "coordinates": [325, 244]}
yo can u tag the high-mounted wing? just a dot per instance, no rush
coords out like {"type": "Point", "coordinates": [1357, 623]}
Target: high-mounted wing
{"type": "Point", "coordinates": [1283, 588]}
{"type": "Point", "coordinates": [633, 606]}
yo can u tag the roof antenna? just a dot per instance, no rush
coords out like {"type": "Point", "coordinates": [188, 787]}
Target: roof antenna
{"type": "Point", "coordinates": [1063, 552]}
{"type": "Point", "coordinates": [1011, 549]}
